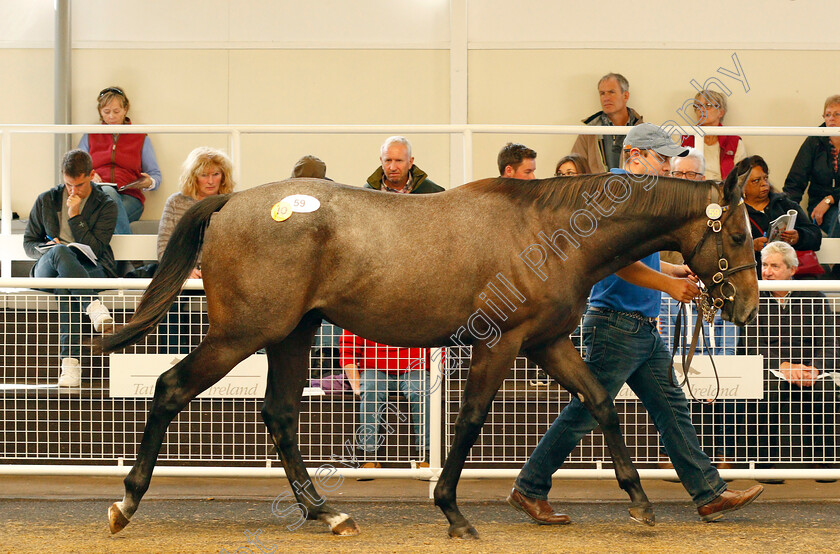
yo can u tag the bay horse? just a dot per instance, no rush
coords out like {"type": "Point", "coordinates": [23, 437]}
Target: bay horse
{"type": "Point", "coordinates": [417, 271]}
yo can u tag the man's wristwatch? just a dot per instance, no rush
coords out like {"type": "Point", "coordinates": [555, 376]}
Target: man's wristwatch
{"type": "Point", "coordinates": [827, 200]}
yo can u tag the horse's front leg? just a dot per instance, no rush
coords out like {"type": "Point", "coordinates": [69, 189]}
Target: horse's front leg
{"type": "Point", "coordinates": [175, 388]}
{"type": "Point", "coordinates": [488, 370]}
{"type": "Point", "coordinates": [562, 361]}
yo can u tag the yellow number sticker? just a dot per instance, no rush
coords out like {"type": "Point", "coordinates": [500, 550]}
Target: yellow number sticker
{"type": "Point", "coordinates": [281, 211]}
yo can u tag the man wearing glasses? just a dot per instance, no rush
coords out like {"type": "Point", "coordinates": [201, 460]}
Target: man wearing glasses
{"type": "Point", "coordinates": [692, 166]}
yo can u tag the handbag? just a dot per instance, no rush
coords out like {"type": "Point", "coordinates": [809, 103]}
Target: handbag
{"type": "Point", "coordinates": [336, 383]}
{"type": "Point", "coordinates": [808, 263]}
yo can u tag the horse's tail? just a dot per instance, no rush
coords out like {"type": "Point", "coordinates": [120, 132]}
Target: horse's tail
{"type": "Point", "coordinates": [178, 260]}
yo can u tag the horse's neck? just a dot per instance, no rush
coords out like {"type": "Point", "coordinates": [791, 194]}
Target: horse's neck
{"type": "Point", "coordinates": [627, 237]}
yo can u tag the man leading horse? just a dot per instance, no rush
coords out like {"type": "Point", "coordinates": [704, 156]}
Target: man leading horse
{"type": "Point", "coordinates": [624, 346]}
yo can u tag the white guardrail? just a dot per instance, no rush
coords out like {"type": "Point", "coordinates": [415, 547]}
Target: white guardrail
{"type": "Point", "coordinates": [110, 458]}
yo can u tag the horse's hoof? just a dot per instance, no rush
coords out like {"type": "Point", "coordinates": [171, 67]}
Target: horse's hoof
{"type": "Point", "coordinates": [346, 528]}
{"type": "Point", "coordinates": [466, 532]}
{"type": "Point", "coordinates": [643, 514]}
{"type": "Point", "coordinates": [116, 520]}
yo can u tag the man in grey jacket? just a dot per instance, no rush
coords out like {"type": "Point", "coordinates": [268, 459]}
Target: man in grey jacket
{"type": "Point", "coordinates": [69, 233]}
{"type": "Point", "coordinates": [603, 153]}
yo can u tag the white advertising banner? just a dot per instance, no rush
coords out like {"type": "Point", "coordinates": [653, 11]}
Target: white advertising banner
{"type": "Point", "coordinates": [741, 377]}
{"type": "Point", "coordinates": [134, 376]}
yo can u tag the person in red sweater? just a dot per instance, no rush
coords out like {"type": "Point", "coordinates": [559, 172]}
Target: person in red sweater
{"type": "Point", "coordinates": [720, 152]}
{"type": "Point", "coordinates": [125, 164]}
{"type": "Point", "coordinates": [374, 370]}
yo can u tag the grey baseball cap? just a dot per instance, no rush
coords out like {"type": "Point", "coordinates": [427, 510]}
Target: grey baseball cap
{"type": "Point", "coordinates": [647, 136]}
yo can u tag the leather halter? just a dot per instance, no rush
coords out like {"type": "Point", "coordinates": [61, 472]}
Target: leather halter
{"type": "Point", "coordinates": [707, 305]}
{"type": "Point", "coordinates": [720, 280]}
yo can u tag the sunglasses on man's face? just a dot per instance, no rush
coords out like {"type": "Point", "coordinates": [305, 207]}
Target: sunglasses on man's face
{"type": "Point", "coordinates": [113, 90]}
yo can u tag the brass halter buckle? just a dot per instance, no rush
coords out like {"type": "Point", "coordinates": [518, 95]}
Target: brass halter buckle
{"type": "Point", "coordinates": [707, 306]}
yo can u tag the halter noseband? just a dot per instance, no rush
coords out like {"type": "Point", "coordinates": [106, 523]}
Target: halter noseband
{"type": "Point", "coordinates": [717, 217]}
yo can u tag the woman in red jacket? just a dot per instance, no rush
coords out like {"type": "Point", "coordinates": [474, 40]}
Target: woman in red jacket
{"type": "Point", "coordinates": [375, 370]}
{"type": "Point", "coordinates": [721, 152]}
{"type": "Point", "coordinates": [124, 164]}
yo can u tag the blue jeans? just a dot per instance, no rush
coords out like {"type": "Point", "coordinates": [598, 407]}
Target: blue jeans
{"type": "Point", "coordinates": [620, 349]}
{"type": "Point", "coordinates": [62, 261]}
{"type": "Point", "coordinates": [174, 330]}
{"type": "Point", "coordinates": [129, 209]}
{"type": "Point", "coordinates": [374, 388]}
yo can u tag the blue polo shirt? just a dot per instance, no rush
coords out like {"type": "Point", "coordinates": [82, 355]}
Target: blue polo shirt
{"type": "Point", "coordinates": [615, 293]}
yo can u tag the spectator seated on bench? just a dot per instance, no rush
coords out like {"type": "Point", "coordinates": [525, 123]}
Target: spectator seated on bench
{"type": "Point", "coordinates": [375, 370]}
{"type": "Point", "coordinates": [73, 213]}
{"type": "Point", "coordinates": [205, 172]}
{"type": "Point", "coordinates": [124, 163]}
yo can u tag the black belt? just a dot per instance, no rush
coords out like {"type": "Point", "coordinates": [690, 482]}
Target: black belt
{"type": "Point", "coordinates": [634, 315]}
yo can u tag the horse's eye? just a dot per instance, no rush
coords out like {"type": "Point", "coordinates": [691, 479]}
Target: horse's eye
{"type": "Point", "coordinates": [738, 239]}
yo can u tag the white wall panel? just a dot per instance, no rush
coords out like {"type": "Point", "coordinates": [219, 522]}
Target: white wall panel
{"type": "Point", "coordinates": [26, 23]}
{"type": "Point", "coordinates": [149, 22]}
{"type": "Point", "coordinates": [337, 23]}
{"type": "Point", "coordinates": [231, 24]}
{"type": "Point", "coordinates": [658, 24]}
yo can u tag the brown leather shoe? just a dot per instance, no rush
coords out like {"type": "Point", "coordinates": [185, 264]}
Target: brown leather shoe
{"type": "Point", "coordinates": [728, 501]}
{"type": "Point", "coordinates": [538, 510]}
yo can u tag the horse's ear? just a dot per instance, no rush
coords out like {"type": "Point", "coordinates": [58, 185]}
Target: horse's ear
{"type": "Point", "coordinates": [733, 187]}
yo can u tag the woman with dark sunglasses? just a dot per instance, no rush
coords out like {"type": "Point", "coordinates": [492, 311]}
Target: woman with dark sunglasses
{"type": "Point", "coordinates": [124, 164]}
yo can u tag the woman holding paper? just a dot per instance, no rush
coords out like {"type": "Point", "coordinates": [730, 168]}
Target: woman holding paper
{"type": "Point", "coordinates": [765, 206]}
{"type": "Point", "coordinates": [125, 161]}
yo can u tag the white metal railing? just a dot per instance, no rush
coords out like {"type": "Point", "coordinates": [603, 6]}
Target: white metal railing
{"type": "Point", "coordinates": [218, 433]}
{"type": "Point", "coordinates": [466, 131]}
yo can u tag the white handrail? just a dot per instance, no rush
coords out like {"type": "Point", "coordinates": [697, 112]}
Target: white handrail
{"type": "Point", "coordinates": [404, 129]}
{"type": "Point", "coordinates": [91, 283]}
{"type": "Point", "coordinates": [393, 473]}
{"type": "Point", "coordinates": [198, 284]}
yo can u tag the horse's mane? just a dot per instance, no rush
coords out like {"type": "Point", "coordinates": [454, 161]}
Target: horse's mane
{"type": "Point", "coordinates": [668, 196]}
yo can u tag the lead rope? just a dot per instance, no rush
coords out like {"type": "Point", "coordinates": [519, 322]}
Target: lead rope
{"type": "Point", "coordinates": [703, 311]}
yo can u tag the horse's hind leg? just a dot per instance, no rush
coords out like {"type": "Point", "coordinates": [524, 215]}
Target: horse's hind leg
{"type": "Point", "coordinates": [488, 370]}
{"type": "Point", "coordinates": [174, 389]}
{"type": "Point", "coordinates": [288, 371]}
{"type": "Point", "coordinates": [563, 362]}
